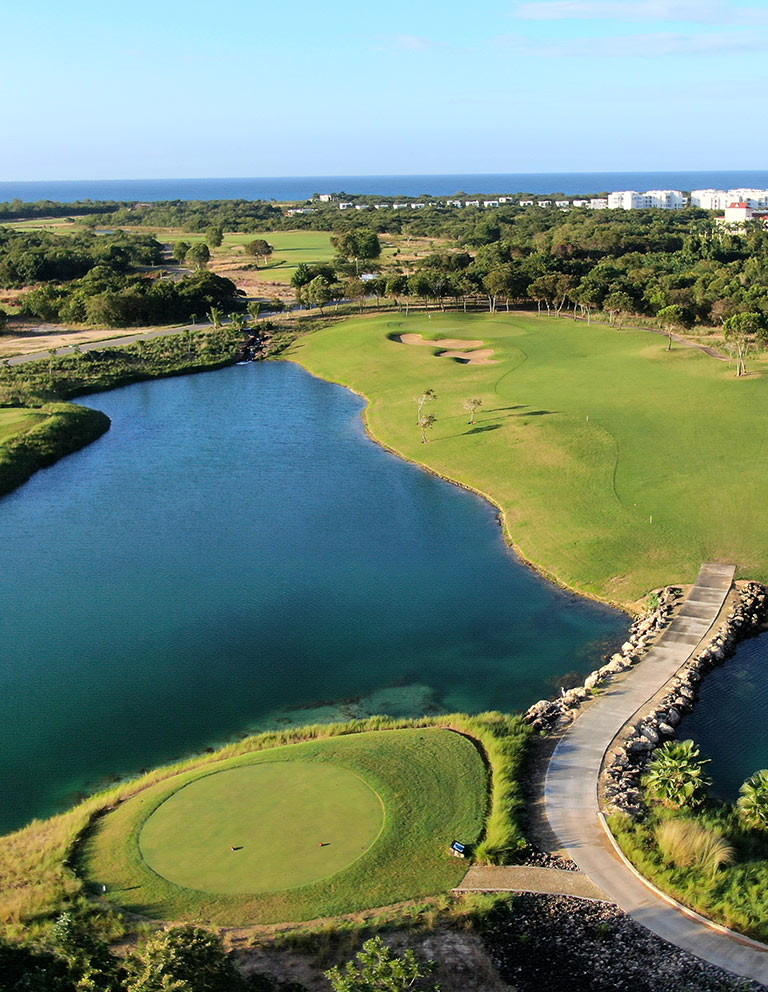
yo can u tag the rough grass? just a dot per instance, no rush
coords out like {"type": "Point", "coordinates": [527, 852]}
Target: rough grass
{"type": "Point", "coordinates": [687, 843]}
{"type": "Point", "coordinates": [37, 877]}
{"type": "Point", "coordinates": [16, 420]}
{"type": "Point", "coordinates": [711, 863]}
{"type": "Point", "coordinates": [619, 466]}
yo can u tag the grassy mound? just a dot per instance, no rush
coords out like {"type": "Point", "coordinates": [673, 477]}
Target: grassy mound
{"type": "Point", "coordinates": [432, 785]}
{"type": "Point", "coordinates": [286, 823]}
{"type": "Point", "coordinates": [619, 466]}
{"type": "Point", "coordinates": [44, 436]}
{"type": "Point", "coordinates": [41, 864]}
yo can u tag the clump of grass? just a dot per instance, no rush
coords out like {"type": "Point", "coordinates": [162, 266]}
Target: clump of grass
{"type": "Point", "coordinates": [689, 844]}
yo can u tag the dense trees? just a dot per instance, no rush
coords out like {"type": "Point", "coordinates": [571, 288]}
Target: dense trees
{"type": "Point", "coordinates": [355, 247]}
{"type": "Point", "coordinates": [112, 300]}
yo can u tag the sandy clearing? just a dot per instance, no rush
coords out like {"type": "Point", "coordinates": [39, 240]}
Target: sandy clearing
{"type": "Point", "coordinates": [480, 357]}
{"type": "Point", "coordinates": [442, 343]}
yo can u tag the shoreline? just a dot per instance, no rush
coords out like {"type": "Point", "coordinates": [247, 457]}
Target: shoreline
{"type": "Point", "coordinates": [540, 570]}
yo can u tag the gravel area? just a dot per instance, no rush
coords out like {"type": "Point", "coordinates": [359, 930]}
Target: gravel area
{"type": "Point", "coordinates": [559, 944]}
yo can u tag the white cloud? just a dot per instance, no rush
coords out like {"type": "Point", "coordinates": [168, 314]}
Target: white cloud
{"type": "Point", "coordinates": [638, 45]}
{"type": "Point", "coordinates": [701, 11]}
{"type": "Point", "coordinates": [411, 42]}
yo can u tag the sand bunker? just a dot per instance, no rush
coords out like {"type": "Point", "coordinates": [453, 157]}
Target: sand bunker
{"type": "Point", "coordinates": [457, 346]}
{"type": "Point", "coordinates": [480, 357]}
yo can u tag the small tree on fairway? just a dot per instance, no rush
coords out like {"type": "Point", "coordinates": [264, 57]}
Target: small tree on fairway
{"type": "Point", "coordinates": [672, 318]}
{"type": "Point", "coordinates": [676, 775]}
{"type": "Point", "coordinates": [376, 968]}
{"type": "Point", "coordinates": [426, 422]}
{"type": "Point", "coordinates": [426, 397]}
{"type": "Point", "coordinates": [752, 804]}
{"type": "Point", "coordinates": [472, 406]}
{"type": "Point", "coordinates": [744, 331]}
{"type": "Point", "coordinates": [259, 249]}
{"type": "Point", "coordinates": [616, 305]}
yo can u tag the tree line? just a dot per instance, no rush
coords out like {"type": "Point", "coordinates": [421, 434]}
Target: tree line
{"type": "Point", "coordinates": [99, 280]}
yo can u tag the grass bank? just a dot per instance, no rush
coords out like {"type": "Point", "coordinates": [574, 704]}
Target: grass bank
{"type": "Point", "coordinates": [64, 428]}
{"type": "Point", "coordinates": [40, 865]}
{"type": "Point", "coordinates": [618, 466]}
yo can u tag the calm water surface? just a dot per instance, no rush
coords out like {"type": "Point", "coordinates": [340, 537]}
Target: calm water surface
{"type": "Point", "coordinates": [235, 554]}
{"type": "Point", "coordinates": [729, 720]}
{"type": "Point", "coordinates": [302, 187]}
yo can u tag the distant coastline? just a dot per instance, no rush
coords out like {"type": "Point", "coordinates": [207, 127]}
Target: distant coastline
{"type": "Point", "coordinates": [302, 187]}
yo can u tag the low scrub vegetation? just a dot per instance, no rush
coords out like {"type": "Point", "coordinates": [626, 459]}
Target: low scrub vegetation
{"type": "Point", "coordinates": [709, 855]}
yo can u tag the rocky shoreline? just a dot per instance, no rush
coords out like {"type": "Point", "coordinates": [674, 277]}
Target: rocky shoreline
{"type": "Point", "coordinates": [554, 715]}
{"type": "Point", "coordinates": [627, 760]}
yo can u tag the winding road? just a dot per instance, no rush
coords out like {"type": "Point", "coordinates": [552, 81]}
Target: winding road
{"type": "Point", "coordinates": [571, 790]}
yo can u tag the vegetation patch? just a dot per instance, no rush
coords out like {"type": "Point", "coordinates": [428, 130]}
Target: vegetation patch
{"type": "Point", "coordinates": [619, 465]}
{"type": "Point", "coordinates": [59, 429]}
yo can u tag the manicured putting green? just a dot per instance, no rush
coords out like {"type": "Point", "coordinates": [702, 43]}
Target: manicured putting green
{"type": "Point", "coordinates": [289, 823]}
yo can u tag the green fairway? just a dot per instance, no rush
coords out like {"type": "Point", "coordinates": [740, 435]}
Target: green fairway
{"type": "Point", "coordinates": [262, 827]}
{"type": "Point", "coordinates": [16, 420]}
{"type": "Point", "coordinates": [385, 804]}
{"type": "Point", "coordinates": [619, 466]}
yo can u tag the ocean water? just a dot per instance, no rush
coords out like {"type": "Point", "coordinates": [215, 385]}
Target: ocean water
{"type": "Point", "coordinates": [302, 187]}
{"type": "Point", "coordinates": [235, 554]}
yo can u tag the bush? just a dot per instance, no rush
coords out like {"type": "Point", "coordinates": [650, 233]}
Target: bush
{"type": "Point", "coordinates": [691, 845]}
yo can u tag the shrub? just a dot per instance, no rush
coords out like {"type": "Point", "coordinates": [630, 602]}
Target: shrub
{"type": "Point", "coordinates": [690, 845]}
{"type": "Point", "coordinates": [752, 804]}
{"type": "Point", "coordinates": [676, 775]}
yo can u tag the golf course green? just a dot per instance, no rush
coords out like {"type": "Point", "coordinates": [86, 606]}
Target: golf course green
{"type": "Point", "coordinates": [262, 827]}
{"type": "Point", "coordinates": [619, 466]}
{"type": "Point", "coordinates": [293, 832]}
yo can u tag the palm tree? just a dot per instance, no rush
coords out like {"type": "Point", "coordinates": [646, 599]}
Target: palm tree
{"type": "Point", "coordinates": [237, 322]}
{"type": "Point", "coordinates": [752, 804]}
{"type": "Point", "coordinates": [676, 776]}
{"type": "Point", "coordinates": [215, 316]}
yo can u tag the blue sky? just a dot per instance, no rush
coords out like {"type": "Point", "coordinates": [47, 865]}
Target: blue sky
{"type": "Point", "coordinates": [169, 88]}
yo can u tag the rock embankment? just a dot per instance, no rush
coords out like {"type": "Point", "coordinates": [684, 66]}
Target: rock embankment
{"type": "Point", "coordinates": [626, 762]}
{"type": "Point", "coordinates": [556, 714]}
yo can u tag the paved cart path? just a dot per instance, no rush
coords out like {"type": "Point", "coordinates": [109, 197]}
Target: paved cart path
{"type": "Point", "coordinates": [571, 798]}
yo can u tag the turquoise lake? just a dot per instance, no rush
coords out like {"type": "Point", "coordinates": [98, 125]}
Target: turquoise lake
{"type": "Point", "coordinates": [234, 555]}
